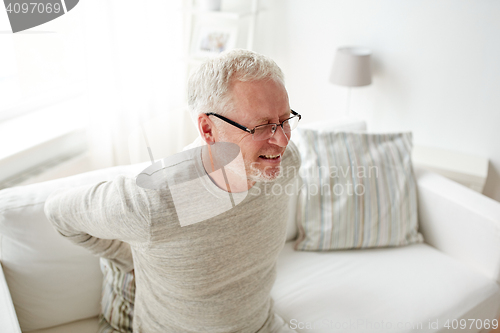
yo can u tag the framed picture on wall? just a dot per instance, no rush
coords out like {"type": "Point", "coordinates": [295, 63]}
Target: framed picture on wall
{"type": "Point", "coordinates": [211, 40]}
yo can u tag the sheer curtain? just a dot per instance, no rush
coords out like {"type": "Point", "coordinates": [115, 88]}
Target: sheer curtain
{"type": "Point", "coordinates": [136, 78]}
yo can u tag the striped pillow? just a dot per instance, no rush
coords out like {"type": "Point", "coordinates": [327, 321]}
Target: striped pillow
{"type": "Point", "coordinates": [358, 191]}
{"type": "Point", "coordinates": [117, 301]}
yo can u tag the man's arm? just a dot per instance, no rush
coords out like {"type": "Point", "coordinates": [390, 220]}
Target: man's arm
{"type": "Point", "coordinates": [104, 218]}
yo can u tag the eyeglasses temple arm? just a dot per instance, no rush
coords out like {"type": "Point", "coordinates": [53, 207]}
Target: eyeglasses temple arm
{"type": "Point", "coordinates": [296, 114]}
{"type": "Point", "coordinates": [229, 121]}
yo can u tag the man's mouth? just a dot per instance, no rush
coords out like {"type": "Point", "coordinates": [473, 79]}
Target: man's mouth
{"type": "Point", "coordinates": [270, 157]}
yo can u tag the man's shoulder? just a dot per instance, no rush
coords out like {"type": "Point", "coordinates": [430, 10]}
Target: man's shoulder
{"type": "Point", "coordinates": [125, 189]}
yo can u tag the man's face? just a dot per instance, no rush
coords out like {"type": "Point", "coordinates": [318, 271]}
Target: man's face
{"type": "Point", "coordinates": [257, 103]}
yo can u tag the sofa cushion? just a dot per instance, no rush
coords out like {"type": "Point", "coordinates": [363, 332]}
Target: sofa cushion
{"type": "Point", "coordinates": [117, 301]}
{"type": "Point", "coordinates": [346, 291]}
{"type": "Point", "coordinates": [51, 281]}
{"type": "Point", "coordinates": [359, 190]}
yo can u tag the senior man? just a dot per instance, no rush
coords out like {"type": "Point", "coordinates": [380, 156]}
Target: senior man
{"type": "Point", "coordinates": [215, 275]}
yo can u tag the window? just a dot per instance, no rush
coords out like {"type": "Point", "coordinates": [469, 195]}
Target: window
{"type": "Point", "coordinates": [42, 76]}
{"type": "Point", "coordinates": [40, 66]}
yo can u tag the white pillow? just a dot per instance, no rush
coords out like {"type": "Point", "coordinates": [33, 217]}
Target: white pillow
{"type": "Point", "coordinates": [51, 280]}
{"type": "Point", "coordinates": [359, 191]}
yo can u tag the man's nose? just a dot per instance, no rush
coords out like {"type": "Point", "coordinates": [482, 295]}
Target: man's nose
{"type": "Point", "coordinates": [279, 138]}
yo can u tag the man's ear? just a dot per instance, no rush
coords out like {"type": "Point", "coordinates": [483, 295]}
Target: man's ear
{"type": "Point", "coordinates": [206, 128]}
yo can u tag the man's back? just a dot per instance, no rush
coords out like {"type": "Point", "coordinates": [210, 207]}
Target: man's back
{"type": "Point", "coordinates": [212, 276]}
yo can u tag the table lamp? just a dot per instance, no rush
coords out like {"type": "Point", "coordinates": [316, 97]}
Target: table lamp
{"type": "Point", "coordinates": [351, 68]}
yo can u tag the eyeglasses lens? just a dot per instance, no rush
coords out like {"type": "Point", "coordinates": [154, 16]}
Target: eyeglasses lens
{"type": "Point", "coordinates": [267, 131]}
{"type": "Point", "coordinates": [290, 124]}
{"type": "Point", "coordinates": [264, 132]}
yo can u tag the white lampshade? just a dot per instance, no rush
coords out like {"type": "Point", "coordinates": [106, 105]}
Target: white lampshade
{"type": "Point", "coordinates": [351, 67]}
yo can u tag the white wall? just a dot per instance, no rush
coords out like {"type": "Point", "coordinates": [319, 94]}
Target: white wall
{"type": "Point", "coordinates": [436, 67]}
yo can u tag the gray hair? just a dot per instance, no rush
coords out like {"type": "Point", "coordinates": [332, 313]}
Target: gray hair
{"type": "Point", "coordinates": [209, 86]}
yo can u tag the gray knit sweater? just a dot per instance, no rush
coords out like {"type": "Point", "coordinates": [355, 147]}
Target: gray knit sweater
{"type": "Point", "coordinates": [212, 276]}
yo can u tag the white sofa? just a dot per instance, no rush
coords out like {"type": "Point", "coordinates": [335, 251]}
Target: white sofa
{"type": "Point", "coordinates": [49, 285]}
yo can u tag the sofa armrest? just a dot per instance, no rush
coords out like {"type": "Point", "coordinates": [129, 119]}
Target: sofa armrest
{"type": "Point", "coordinates": [459, 222]}
{"type": "Point", "coordinates": [8, 318]}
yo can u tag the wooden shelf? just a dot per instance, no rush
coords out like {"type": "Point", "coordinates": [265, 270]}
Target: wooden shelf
{"type": "Point", "coordinates": [196, 18]}
{"type": "Point", "coordinates": [194, 15]}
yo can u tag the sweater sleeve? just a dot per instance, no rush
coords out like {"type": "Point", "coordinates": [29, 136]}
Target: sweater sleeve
{"type": "Point", "coordinates": [105, 218]}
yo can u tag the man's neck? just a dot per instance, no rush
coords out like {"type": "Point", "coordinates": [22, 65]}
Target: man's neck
{"type": "Point", "coordinates": [225, 178]}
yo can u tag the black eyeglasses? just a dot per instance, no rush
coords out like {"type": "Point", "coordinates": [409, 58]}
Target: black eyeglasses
{"type": "Point", "coordinates": [266, 131]}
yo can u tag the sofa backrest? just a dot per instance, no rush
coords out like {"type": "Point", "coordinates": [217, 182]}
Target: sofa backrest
{"type": "Point", "coordinates": [52, 281]}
